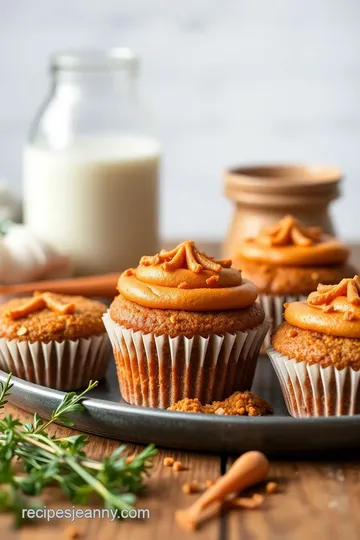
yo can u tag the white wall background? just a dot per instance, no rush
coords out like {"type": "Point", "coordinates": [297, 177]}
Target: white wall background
{"type": "Point", "coordinates": [230, 81]}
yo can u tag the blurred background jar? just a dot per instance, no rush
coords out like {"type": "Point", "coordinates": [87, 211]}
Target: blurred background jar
{"type": "Point", "coordinates": [91, 165]}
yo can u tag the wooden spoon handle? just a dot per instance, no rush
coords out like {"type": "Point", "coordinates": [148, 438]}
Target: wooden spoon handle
{"type": "Point", "coordinates": [101, 286]}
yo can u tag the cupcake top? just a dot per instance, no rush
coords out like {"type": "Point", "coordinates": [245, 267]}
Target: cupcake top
{"type": "Point", "coordinates": [51, 317]}
{"type": "Point", "coordinates": [186, 279]}
{"type": "Point", "coordinates": [289, 243]}
{"type": "Point", "coordinates": [332, 309]}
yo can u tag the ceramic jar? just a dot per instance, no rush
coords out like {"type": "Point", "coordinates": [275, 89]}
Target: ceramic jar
{"type": "Point", "coordinates": [262, 195]}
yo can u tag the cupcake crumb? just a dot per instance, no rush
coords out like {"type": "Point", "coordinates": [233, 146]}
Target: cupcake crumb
{"type": "Point", "coordinates": [271, 487]}
{"type": "Point", "coordinates": [183, 285]}
{"type": "Point", "coordinates": [22, 331]}
{"type": "Point", "coordinates": [178, 466]}
{"type": "Point", "coordinates": [249, 503]}
{"type": "Point", "coordinates": [168, 462]}
{"type": "Point", "coordinates": [209, 483]}
{"type": "Point", "coordinates": [191, 487]}
{"type": "Point", "coordinates": [238, 404]}
{"type": "Point", "coordinates": [173, 319]}
{"type": "Point", "coordinates": [293, 333]}
{"type": "Point", "coordinates": [349, 316]}
{"type": "Point", "coordinates": [212, 280]}
{"type": "Point", "coordinates": [72, 533]}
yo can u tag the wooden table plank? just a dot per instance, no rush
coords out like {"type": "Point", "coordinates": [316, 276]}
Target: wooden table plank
{"type": "Point", "coordinates": [316, 500]}
{"type": "Point", "coordinates": [163, 496]}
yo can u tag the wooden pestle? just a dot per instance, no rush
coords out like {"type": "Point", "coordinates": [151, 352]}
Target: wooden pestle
{"type": "Point", "coordinates": [100, 286]}
{"type": "Point", "coordinates": [247, 470]}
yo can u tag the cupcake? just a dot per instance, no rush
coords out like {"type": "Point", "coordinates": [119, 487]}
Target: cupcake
{"type": "Point", "coordinates": [287, 261]}
{"type": "Point", "coordinates": [316, 352]}
{"type": "Point", "coordinates": [184, 326]}
{"type": "Point", "coordinates": [54, 340]}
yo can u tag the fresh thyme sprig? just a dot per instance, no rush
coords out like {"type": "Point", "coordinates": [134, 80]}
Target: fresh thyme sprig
{"type": "Point", "coordinates": [47, 460]}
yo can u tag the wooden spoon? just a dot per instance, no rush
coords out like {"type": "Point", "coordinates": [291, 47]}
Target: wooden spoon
{"type": "Point", "coordinates": [247, 470]}
{"type": "Point", "coordinates": [101, 286]}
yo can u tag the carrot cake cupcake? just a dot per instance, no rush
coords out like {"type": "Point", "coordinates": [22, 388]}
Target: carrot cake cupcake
{"type": "Point", "coordinates": [287, 261]}
{"type": "Point", "coordinates": [316, 352]}
{"type": "Point", "coordinates": [54, 340]}
{"type": "Point", "coordinates": [184, 326]}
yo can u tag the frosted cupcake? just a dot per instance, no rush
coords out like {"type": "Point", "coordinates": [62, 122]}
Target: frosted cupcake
{"type": "Point", "coordinates": [54, 340]}
{"type": "Point", "coordinates": [287, 261]}
{"type": "Point", "coordinates": [184, 326]}
{"type": "Point", "coordinates": [316, 352]}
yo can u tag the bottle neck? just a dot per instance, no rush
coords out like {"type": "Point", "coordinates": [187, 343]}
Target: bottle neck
{"type": "Point", "coordinates": [94, 85]}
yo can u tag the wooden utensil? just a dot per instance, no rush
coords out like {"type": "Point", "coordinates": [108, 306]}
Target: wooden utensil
{"type": "Point", "coordinates": [247, 470]}
{"type": "Point", "coordinates": [101, 286]}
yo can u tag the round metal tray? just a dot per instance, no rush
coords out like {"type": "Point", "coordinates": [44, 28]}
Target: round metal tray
{"type": "Point", "coordinates": [279, 434]}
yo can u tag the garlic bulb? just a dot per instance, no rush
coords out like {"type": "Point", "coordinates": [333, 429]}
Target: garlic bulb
{"type": "Point", "coordinates": [23, 257]}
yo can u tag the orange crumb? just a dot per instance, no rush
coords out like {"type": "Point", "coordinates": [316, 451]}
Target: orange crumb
{"type": "Point", "coordinates": [246, 502]}
{"type": "Point", "coordinates": [72, 532]}
{"type": "Point", "coordinates": [293, 332]}
{"type": "Point", "coordinates": [56, 305]}
{"type": "Point", "coordinates": [168, 462]}
{"type": "Point", "coordinates": [349, 316]}
{"type": "Point", "coordinates": [183, 285]}
{"type": "Point", "coordinates": [34, 304]}
{"type": "Point", "coordinates": [177, 466]}
{"type": "Point", "coordinates": [271, 487]}
{"type": "Point", "coordinates": [172, 319]}
{"type": "Point", "coordinates": [129, 272]}
{"type": "Point", "coordinates": [191, 487]}
{"type": "Point", "coordinates": [212, 280]}
{"type": "Point", "coordinates": [238, 404]}
{"type": "Point", "coordinates": [130, 459]}
{"type": "Point", "coordinates": [285, 305]}
{"type": "Point", "coordinates": [329, 309]}
{"type": "Point", "coordinates": [209, 483]}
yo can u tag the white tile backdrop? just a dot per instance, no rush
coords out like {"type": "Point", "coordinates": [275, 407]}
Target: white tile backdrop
{"type": "Point", "coordinates": [230, 81]}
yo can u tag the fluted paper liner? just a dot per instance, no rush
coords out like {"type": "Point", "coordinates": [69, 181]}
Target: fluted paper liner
{"type": "Point", "coordinates": [66, 365]}
{"type": "Point", "coordinates": [273, 305]}
{"type": "Point", "coordinates": [157, 371]}
{"type": "Point", "coordinates": [311, 390]}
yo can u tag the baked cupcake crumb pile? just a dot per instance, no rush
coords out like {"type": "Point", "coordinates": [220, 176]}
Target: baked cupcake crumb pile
{"type": "Point", "coordinates": [184, 325]}
{"type": "Point", "coordinates": [238, 404]}
{"type": "Point", "coordinates": [316, 351]}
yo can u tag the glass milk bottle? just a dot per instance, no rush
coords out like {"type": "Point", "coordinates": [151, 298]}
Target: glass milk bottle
{"type": "Point", "coordinates": [91, 166]}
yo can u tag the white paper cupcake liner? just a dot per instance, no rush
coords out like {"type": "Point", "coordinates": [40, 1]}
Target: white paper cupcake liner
{"type": "Point", "coordinates": [311, 390]}
{"type": "Point", "coordinates": [157, 371]}
{"type": "Point", "coordinates": [273, 305]}
{"type": "Point", "coordinates": [66, 365]}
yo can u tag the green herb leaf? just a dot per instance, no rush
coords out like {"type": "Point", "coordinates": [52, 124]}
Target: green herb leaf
{"type": "Point", "coordinates": [62, 462]}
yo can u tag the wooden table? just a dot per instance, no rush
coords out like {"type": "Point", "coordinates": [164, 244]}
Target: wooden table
{"type": "Point", "coordinates": [317, 500]}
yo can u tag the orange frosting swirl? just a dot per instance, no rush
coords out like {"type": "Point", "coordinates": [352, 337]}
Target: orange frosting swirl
{"type": "Point", "coordinates": [289, 243]}
{"type": "Point", "coordinates": [185, 279]}
{"type": "Point", "coordinates": [332, 310]}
